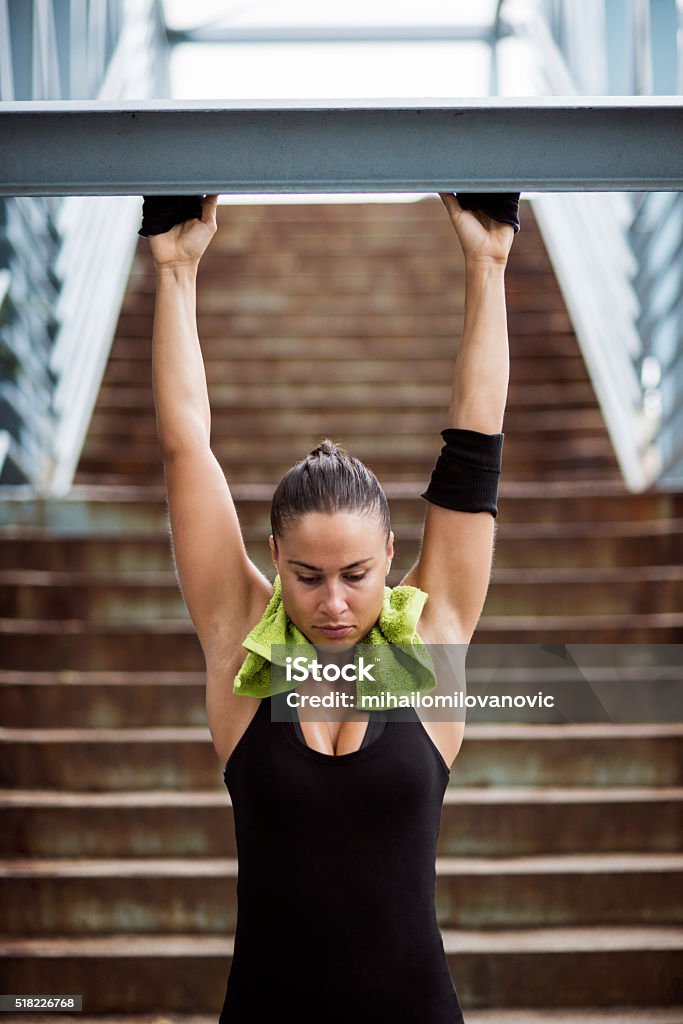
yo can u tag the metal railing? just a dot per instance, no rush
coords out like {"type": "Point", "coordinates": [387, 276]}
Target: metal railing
{"type": "Point", "coordinates": [618, 256]}
{"type": "Point", "coordinates": [65, 260]}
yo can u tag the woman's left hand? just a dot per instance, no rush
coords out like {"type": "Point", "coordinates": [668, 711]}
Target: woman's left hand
{"type": "Point", "coordinates": [482, 238]}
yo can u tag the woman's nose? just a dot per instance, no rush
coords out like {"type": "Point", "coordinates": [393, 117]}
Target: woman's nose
{"type": "Point", "coordinates": [333, 601]}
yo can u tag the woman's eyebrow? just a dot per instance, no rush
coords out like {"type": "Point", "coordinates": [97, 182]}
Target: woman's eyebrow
{"type": "Point", "coordinates": [315, 568]}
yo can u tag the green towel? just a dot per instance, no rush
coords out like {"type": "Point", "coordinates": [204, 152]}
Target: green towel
{"type": "Point", "coordinates": [400, 670]}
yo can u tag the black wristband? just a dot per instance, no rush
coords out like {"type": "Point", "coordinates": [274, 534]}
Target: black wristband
{"type": "Point", "coordinates": [501, 206]}
{"type": "Point", "coordinates": [160, 213]}
{"type": "Point", "coordinates": [467, 471]}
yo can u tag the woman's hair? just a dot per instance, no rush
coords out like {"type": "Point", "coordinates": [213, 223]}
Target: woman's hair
{"type": "Point", "coordinates": [327, 480]}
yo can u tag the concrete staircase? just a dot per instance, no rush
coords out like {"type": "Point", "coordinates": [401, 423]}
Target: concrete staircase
{"type": "Point", "coordinates": [559, 859]}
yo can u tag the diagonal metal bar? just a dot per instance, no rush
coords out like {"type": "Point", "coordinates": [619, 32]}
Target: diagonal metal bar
{"type": "Point", "coordinates": [546, 144]}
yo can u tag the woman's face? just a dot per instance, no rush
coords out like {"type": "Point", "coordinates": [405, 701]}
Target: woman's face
{"type": "Point", "coordinates": [333, 569]}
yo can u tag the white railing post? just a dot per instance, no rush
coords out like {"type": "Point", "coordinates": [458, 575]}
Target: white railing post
{"type": "Point", "coordinates": [97, 235]}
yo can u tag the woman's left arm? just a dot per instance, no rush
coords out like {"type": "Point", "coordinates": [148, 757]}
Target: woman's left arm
{"type": "Point", "coordinates": [454, 565]}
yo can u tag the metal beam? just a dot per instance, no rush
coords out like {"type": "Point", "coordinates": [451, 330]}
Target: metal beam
{"type": "Point", "coordinates": [546, 144]}
{"type": "Point", "coordinates": [335, 34]}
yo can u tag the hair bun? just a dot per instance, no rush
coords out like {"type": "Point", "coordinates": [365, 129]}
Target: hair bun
{"type": "Point", "coordinates": [328, 480]}
{"type": "Point", "coordinates": [327, 447]}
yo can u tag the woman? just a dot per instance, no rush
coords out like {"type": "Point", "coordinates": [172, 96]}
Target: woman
{"type": "Point", "coordinates": [336, 820]}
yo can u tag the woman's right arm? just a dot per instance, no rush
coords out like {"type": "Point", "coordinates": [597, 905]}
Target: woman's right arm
{"type": "Point", "coordinates": [224, 591]}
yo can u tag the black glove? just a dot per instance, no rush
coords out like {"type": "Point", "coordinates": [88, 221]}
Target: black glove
{"type": "Point", "coordinates": [160, 213]}
{"type": "Point", "coordinates": [502, 206]}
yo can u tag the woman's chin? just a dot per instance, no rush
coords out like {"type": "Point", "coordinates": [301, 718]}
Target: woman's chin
{"type": "Point", "coordinates": [330, 645]}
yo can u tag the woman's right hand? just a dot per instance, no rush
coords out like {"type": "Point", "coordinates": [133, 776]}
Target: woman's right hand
{"type": "Point", "coordinates": [184, 244]}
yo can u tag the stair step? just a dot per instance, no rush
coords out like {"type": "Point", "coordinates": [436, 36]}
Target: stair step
{"type": "Point", "coordinates": [596, 1015]}
{"type": "Point", "coordinates": [217, 344]}
{"type": "Point", "coordinates": [112, 699]}
{"type": "Point", "coordinates": [597, 959]}
{"type": "Point", "coordinates": [146, 597]}
{"type": "Point", "coordinates": [663, 627]}
{"type": "Point", "coordinates": [581, 692]}
{"type": "Point", "coordinates": [492, 755]}
{"type": "Point", "coordinates": [72, 644]}
{"type": "Point", "coordinates": [83, 896]}
{"type": "Point", "coordinates": [351, 296]}
{"type": "Point", "coordinates": [28, 548]}
{"type": "Point", "coordinates": [248, 474]}
{"type": "Point", "coordinates": [408, 452]}
{"type": "Point", "coordinates": [336, 367]}
{"type": "Point", "coordinates": [620, 1015]}
{"type": "Point", "coordinates": [580, 437]}
{"type": "Point", "coordinates": [559, 348]}
{"type": "Point", "coordinates": [364, 278]}
{"type": "Point", "coordinates": [338, 396]}
{"type": "Point", "coordinates": [507, 821]}
{"type": "Point", "coordinates": [578, 967]}
{"type": "Point", "coordinates": [518, 545]}
{"type": "Point", "coordinates": [412, 324]}
{"type": "Point", "coordinates": [416, 420]}
{"type": "Point", "coordinates": [302, 425]}
{"type": "Point", "coordinates": [102, 699]}
{"type": "Point", "coordinates": [314, 271]}
{"type": "Point", "coordinates": [369, 291]}
{"type": "Point", "coordinates": [479, 822]}
{"type": "Point", "coordinates": [606, 548]}
{"type": "Point", "coordinates": [96, 508]}
{"type": "Point", "coordinates": [418, 456]}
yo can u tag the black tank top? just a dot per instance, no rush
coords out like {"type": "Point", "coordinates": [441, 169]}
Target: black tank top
{"type": "Point", "coordinates": [336, 919]}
